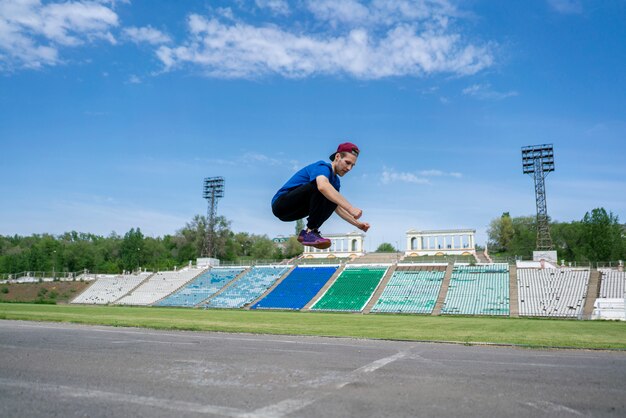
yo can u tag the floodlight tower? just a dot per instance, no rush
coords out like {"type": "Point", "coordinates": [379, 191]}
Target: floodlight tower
{"type": "Point", "coordinates": [538, 160]}
{"type": "Point", "coordinates": [212, 191]}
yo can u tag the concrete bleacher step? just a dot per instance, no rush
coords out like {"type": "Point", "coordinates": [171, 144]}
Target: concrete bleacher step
{"type": "Point", "coordinates": [379, 290]}
{"type": "Point", "coordinates": [481, 258]}
{"type": "Point", "coordinates": [133, 289]}
{"type": "Point", "coordinates": [270, 289]}
{"type": "Point", "coordinates": [323, 290]}
{"type": "Point", "coordinates": [226, 286]}
{"type": "Point", "coordinates": [84, 290]}
{"type": "Point", "coordinates": [513, 292]}
{"type": "Point", "coordinates": [593, 290]}
{"type": "Point", "coordinates": [444, 290]}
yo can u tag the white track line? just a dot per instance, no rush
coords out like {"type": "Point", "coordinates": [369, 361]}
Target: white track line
{"type": "Point", "coordinates": [375, 365]}
{"type": "Point", "coordinates": [289, 406]}
{"type": "Point", "coordinates": [553, 408]}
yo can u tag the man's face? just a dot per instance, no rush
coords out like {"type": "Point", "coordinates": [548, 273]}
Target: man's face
{"type": "Point", "coordinates": [344, 164]}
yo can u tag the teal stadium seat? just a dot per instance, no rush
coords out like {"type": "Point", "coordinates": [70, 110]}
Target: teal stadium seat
{"type": "Point", "coordinates": [412, 291]}
{"type": "Point", "coordinates": [351, 291]}
{"type": "Point", "coordinates": [478, 290]}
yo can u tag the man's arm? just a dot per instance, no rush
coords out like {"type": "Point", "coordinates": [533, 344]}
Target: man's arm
{"type": "Point", "coordinates": [330, 193]}
{"type": "Point", "coordinates": [364, 226]}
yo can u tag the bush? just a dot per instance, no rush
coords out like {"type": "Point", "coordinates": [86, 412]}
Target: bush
{"type": "Point", "coordinates": [5, 290]}
{"type": "Point", "coordinates": [42, 292]}
{"type": "Point", "coordinates": [42, 301]}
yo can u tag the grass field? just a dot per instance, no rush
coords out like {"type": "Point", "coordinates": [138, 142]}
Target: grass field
{"type": "Point", "coordinates": [526, 332]}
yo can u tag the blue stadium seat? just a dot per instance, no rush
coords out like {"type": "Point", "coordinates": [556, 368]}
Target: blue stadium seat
{"type": "Point", "coordinates": [297, 289]}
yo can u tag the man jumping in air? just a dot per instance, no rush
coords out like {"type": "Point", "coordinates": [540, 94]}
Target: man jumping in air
{"type": "Point", "coordinates": [314, 192]}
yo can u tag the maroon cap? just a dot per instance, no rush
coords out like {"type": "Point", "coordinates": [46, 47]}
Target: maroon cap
{"type": "Point", "coordinates": [346, 147]}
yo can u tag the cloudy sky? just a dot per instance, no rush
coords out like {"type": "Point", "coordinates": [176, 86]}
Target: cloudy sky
{"type": "Point", "coordinates": [113, 112]}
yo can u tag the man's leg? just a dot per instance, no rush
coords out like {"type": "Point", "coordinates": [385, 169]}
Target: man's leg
{"type": "Point", "coordinates": [300, 202]}
{"type": "Point", "coordinates": [320, 210]}
{"type": "Point", "coordinates": [295, 204]}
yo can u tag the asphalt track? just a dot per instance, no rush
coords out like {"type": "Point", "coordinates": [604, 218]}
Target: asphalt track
{"type": "Point", "coordinates": [49, 369]}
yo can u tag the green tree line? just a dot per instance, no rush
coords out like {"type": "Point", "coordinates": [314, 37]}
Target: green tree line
{"type": "Point", "coordinates": [597, 237]}
{"type": "Point", "coordinates": [76, 251]}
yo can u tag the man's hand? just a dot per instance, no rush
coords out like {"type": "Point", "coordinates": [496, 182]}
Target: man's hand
{"type": "Point", "coordinates": [355, 212]}
{"type": "Point", "coordinates": [363, 226]}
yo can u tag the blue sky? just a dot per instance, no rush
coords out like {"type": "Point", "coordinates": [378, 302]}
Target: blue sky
{"type": "Point", "coordinates": [113, 112]}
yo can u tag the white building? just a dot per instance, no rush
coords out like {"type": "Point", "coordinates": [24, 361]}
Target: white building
{"type": "Point", "coordinates": [343, 246]}
{"type": "Point", "coordinates": [440, 242]}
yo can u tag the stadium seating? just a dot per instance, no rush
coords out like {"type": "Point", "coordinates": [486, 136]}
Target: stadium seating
{"type": "Point", "coordinates": [478, 290]}
{"type": "Point", "coordinates": [204, 286]}
{"type": "Point", "coordinates": [411, 290]}
{"type": "Point", "coordinates": [552, 292]}
{"type": "Point", "coordinates": [248, 288]}
{"type": "Point", "coordinates": [110, 288]}
{"type": "Point", "coordinates": [297, 289]}
{"type": "Point", "coordinates": [613, 284]}
{"type": "Point", "coordinates": [158, 286]}
{"type": "Point", "coordinates": [352, 290]}
{"type": "Point", "coordinates": [611, 303]}
{"type": "Point", "coordinates": [610, 309]}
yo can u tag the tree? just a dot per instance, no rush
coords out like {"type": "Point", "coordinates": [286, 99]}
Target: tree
{"type": "Point", "coordinates": [602, 236]}
{"type": "Point", "coordinates": [131, 250]}
{"type": "Point", "coordinates": [293, 248]}
{"type": "Point", "coordinates": [299, 226]}
{"type": "Point", "coordinates": [263, 248]}
{"type": "Point", "coordinates": [567, 238]}
{"type": "Point", "coordinates": [501, 233]}
{"type": "Point", "coordinates": [524, 240]}
{"type": "Point", "coordinates": [386, 247]}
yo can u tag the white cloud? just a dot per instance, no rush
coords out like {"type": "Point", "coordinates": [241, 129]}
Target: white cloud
{"type": "Point", "coordinates": [485, 92]}
{"type": "Point", "coordinates": [280, 7]}
{"type": "Point", "coordinates": [430, 13]}
{"type": "Point", "coordinates": [439, 173]}
{"type": "Point", "coordinates": [346, 11]}
{"type": "Point", "coordinates": [241, 50]}
{"type": "Point", "coordinates": [31, 33]}
{"type": "Point", "coordinates": [133, 79]}
{"type": "Point", "coordinates": [566, 6]}
{"type": "Point", "coordinates": [252, 158]}
{"type": "Point", "coordinates": [225, 12]}
{"type": "Point", "coordinates": [146, 34]}
{"type": "Point", "coordinates": [389, 175]}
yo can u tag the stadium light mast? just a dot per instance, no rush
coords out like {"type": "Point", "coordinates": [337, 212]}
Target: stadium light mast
{"type": "Point", "coordinates": [212, 191]}
{"type": "Point", "coordinates": [538, 160]}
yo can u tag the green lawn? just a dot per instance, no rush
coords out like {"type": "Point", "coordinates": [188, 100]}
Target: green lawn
{"type": "Point", "coordinates": [526, 332]}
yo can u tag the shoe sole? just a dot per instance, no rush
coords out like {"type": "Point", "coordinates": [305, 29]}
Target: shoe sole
{"type": "Point", "coordinates": [320, 246]}
{"type": "Point", "coordinates": [323, 245]}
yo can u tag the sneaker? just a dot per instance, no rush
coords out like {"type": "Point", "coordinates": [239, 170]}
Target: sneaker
{"type": "Point", "coordinates": [301, 236]}
{"type": "Point", "coordinates": [314, 239]}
